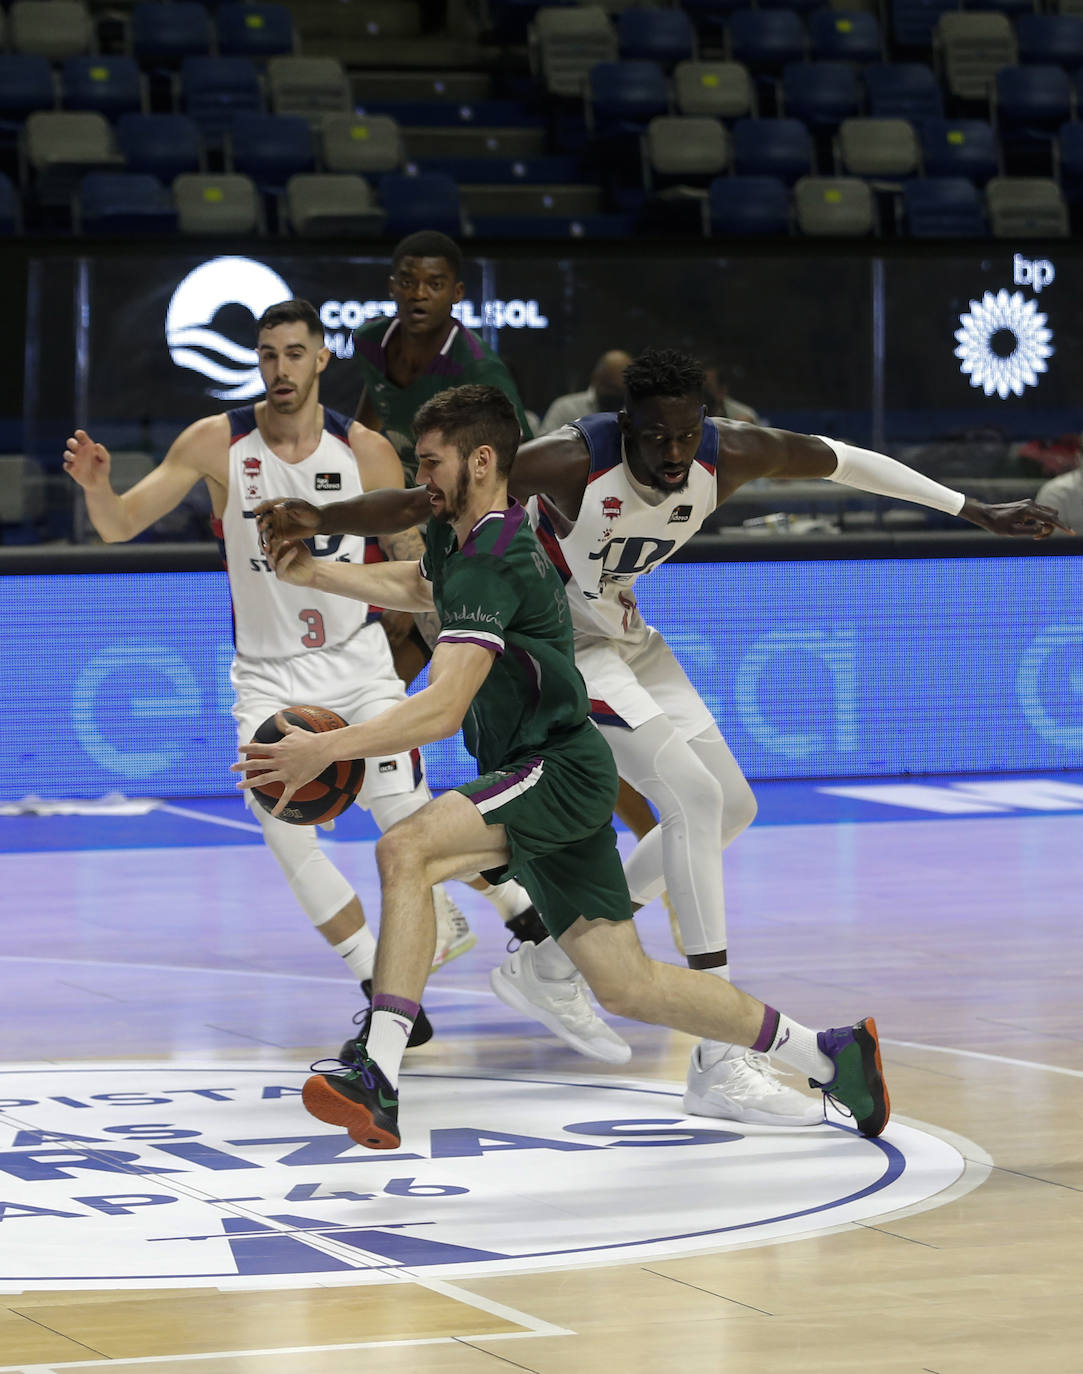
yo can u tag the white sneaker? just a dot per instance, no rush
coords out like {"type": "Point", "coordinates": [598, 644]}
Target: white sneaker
{"type": "Point", "coordinates": [747, 1088]}
{"type": "Point", "coordinates": [560, 1004]}
{"type": "Point", "coordinates": [453, 935]}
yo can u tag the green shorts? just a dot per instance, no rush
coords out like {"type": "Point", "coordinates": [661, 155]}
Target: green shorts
{"type": "Point", "coordinates": [557, 809]}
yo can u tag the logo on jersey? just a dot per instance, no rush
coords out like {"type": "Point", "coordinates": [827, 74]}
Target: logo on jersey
{"type": "Point", "coordinates": [389, 766]}
{"type": "Point", "coordinates": [193, 341]}
{"type": "Point", "coordinates": [681, 515]}
{"type": "Point", "coordinates": [331, 481]}
{"type": "Point", "coordinates": [611, 507]}
{"type": "Point", "coordinates": [252, 478]}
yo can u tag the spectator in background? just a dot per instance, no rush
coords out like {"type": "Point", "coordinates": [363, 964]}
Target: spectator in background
{"type": "Point", "coordinates": [1065, 495]}
{"type": "Point", "coordinates": [719, 401]}
{"type": "Point", "coordinates": [605, 393]}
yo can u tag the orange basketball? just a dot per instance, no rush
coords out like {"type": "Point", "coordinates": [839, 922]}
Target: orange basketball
{"type": "Point", "coordinates": [324, 797]}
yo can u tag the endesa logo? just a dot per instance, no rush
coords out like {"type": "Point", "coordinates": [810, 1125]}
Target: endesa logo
{"type": "Point", "coordinates": [157, 1176]}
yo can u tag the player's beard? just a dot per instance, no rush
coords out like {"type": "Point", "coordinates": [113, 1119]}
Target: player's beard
{"type": "Point", "coordinates": [289, 405]}
{"type": "Point", "coordinates": [454, 498]}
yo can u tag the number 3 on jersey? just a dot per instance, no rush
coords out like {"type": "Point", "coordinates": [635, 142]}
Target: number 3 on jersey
{"type": "Point", "coordinates": [314, 637]}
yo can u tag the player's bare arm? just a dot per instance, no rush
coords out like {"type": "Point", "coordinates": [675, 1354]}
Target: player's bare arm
{"type": "Point", "coordinates": [555, 466]}
{"type": "Point", "coordinates": [748, 451]}
{"type": "Point", "coordinates": [374, 514]}
{"type": "Point", "coordinates": [399, 586]}
{"type": "Point", "coordinates": [199, 453]}
{"type": "Point", "coordinates": [455, 676]}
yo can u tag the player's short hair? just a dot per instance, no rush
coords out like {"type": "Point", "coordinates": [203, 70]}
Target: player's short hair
{"type": "Point", "coordinates": [472, 415]}
{"type": "Point", "coordinates": [428, 243]}
{"type": "Point", "coordinates": [296, 311]}
{"type": "Point", "coordinates": [662, 372]}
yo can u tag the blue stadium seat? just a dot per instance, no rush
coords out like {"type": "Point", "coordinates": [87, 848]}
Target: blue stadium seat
{"type": "Point", "coordinates": [960, 148]}
{"type": "Point", "coordinates": [845, 36]}
{"type": "Point", "coordinates": [1070, 162]}
{"type": "Point", "coordinates": [26, 84]}
{"type": "Point", "coordinates": [111, 85]}
{"type": "Point", "coordinates": [257, 31]}
{"type": "Point", "coordinates": [217, 89]}
{"type": "Point", "coordinates": [10, 215]}
{"type": "Point", "coordinates": [913, 21]}
{"type": "Point", "coordinates": [903, 90]}
{"type": "Point", "coordinates": [271, 148]}
{"type": "Point", "coordinates": [420, 202]}
{"type": "Point", "coordinates": [1032, 98]}
{"type": "Point", "coordinates": [125, 203]}
{"type": "Point", "coordinates": [748, 205]}
{"type": "Point", "coordinates": [163, 145]}
{"type": "Point", "coordinates": [1051, 38]}
{"type": "Point", "coordinates": [943, 207]}
{"type": "Point", "coordinates": [776, 148]}
{"type": "Point", "coordinates": [662, 36]}
{"type": "Point", "coordinates": [170, 32]}
{"type": "Point", "coordinates": [766, 39]}
{"type": "Point", "coordinates": [822, 94]}
{"type": "Point", "coordinates": [625, 96]}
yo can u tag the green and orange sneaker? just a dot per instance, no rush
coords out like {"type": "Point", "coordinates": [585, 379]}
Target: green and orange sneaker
{"type": "Point", "coordinates": [858, 1084]}
{"type": "Point", "coordinates": [361, 1101]}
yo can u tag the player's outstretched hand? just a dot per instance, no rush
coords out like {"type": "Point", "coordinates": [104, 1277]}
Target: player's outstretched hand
{"type": "Point", "coordinates": [85, 461]}
{"type": "Point", "coordinates": [1015, 517]}
{"type": "Point", "coordinates": [295, 759]}
{"type": "Point", "coordinates": [286, 518]}
{"type": "Point", "coordinates": [291, 561]}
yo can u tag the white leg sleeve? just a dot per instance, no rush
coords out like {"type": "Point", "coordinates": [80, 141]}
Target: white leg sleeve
{"type": "Point", "coordinates": [317, 884]}
{"type": "Point", "coordinates": [385, 811]}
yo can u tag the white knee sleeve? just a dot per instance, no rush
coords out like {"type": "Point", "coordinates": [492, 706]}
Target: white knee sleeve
{"type": "Point", "coordinates": [317, 884]}
{"type": "Point", "coordinates": [386, 811]}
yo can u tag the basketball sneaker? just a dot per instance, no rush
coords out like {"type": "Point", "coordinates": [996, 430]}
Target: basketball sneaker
{"type": "Point", "coordinates": [560, 1004]}
{"type": "Point", "coordinates": [420, 1031]}
{"type": "Point", "coordinates": [361, 1101]}
{"type": "Point", "coordinates": [858, 1084]}
{"type": "Point", "coordinates": [747, 1088]}
{"type": "Point", "coordinates": [453, 935]}
{"type": "Point", "coordinates": [528, 925]}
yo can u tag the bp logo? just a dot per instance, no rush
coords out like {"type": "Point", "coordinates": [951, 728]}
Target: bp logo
{"type": "Point", "coordinates": [1003, 343]}
{"type": "Point", "coordinates": [189, 320]}
{"type": "Point", "coordinates": [163, 1177]}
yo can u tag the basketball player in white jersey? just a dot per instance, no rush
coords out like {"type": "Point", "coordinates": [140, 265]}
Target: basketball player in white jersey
{"type": "Point", "coordinates": [296, 647]}
{"type": "Point", "coordinates": [613, 496]}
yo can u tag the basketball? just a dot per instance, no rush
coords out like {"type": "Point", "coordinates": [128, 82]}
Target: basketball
{"type": "Point", "coordinates": [324, 797]}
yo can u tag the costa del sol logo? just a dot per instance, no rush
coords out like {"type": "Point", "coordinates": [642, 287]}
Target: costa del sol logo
{"type": "Point", "coordinates": [194, 344]}
{"type": "Point", "coordinates": [124, 1176]}
{"type": "Point", "coordinates": [1003, 343]}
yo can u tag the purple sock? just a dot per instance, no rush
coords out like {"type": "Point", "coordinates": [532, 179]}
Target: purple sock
{"type": "Point", "coordinates": [383, 1001]}
{"type": "Point", "coordinates": [768, 1030]}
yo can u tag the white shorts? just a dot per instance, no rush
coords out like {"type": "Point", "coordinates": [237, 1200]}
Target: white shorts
{"type": "Point", "coordinates": [357, 679]}
{"type": "Point", "coordinates": [630, 681]}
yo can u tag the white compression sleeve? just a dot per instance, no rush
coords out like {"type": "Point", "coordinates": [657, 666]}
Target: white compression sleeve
{"type": "Point", "coordinates": [875, 472]}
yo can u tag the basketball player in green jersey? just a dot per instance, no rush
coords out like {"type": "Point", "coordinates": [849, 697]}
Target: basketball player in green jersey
{"type": "Point", "coordinates": [503, 670]}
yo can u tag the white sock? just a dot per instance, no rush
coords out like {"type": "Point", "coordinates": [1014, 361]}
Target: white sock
{"type": "Point", "coordinates": [510, 899]}
{"type": "Point", "coordinates": [359, 952]}
{"type": "Point", "coordinates": [386, 1042]}
{"type": "Point", "coordinates": [796, 1045]}
{"type": "Point", "coordinates": [711, 1051]}
{"type": "Point", "coordinates": [552, 963]}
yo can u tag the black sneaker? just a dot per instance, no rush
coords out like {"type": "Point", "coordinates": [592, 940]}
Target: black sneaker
{"type": "Point", "coordinates": [858, 1084]}
{"type": "Point", "coordinates": [361, 1100]}
{"type": "Point", "coordinates": [420, 1031]}
{"type": "Point", "coordinates": [526, 928]}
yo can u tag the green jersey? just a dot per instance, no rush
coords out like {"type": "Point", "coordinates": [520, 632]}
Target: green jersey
{"type": "Point", "coordinates": [462, 359]}
{"type": "Point", "coordinates": [501, 591]}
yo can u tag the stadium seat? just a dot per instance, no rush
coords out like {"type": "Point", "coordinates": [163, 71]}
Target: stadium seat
{"type": "Point", "coordinates": [943, 207]}
{"type": "Point", "coordinates": [821, 94]}
{"type": "Point", "coordinates": [845, 36]}
{"type": "Point", "coordinates": [329, 205]}
{"type": "Point", "coordinates": [1026, 206]}
{"type": "Point", "coordinates": [308, 86]}
{"type": "Point", "coordinates": [215, 90]}
{"type": "Point", "coordinates": [59, 29]}
{"type": "Point", "coordinates": [207, 204]}
{"type": "Point", "coordinates": [10, 207]}
{"type": "Point", "coordinates": [775, 148]}
{"type": "Point", "coordinates": [270, 148]}
{"type": "Point", "coordinates": [254, 30]}
{"type": "Point", "coordinates": [834, 206]}
{"type": "Point", "coordinates": [366, 145]}
{"type": "Point", "coordinates": [62, 146]}
{"type": "Point", "coordinates": [170, 33]}
{"type": "Point", "coordinates": [766, 40]}
{"type": "Point", "coordinates": [1069, 154]}
{"type": "Point", "coordinates": [748, 205]}
{"type": "Point", "coordinates": [23, 490]}
{"type": "Point", "coordinates": [1051, 38]}
{"type": "Point", "coordinates": [421, 202]}
{"type": "Point", "coordinates": [625, 96]}
{"type": "Point", "coordinates": [125, 203]}
{"type": "Point", "coordinates": [566, 43]}
{"type": "Point", "coordinates": [972, 48]}
{"type": "Point", "coordinates": [26, 83]}
{"type": "Point", "coordinates": [960, 147]}
{"type": "Point", "coordinates": [902, 90]}
{"type": "Point", "coordinates": [722, 89]}
{"type": "Point", "coordinates": [164, 145]}
{"type": "Point", "coordinates": [686, 148]}
{"type": "Point", "coordinates": [878, 148]}
{"type": "Point", "coordinates": [1032, 98]}
{"type": "Point", "coordinates": [663, 36]}
{"type": "Point", "coordinates": [111, 85]}
{"type": "Point", "coordinates": [913, 21]}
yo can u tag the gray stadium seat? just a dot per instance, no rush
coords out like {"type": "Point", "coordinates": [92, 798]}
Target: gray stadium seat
{"type": "Point", "coordinates": [972, 47]}
{"type": "Point", "coordinates": [686, 145]}
{"type": "Point", "coordinates": [312, 87]}
{"type": "Point", "coordinates": [227, 204]}
{"type": "Point", "coordinates": [722, 89]}
{"type": "Point", "coordinates": [834, 205]}
{"type": "Point", "coordinates": [878, 148]}
{"type": "Point", "coordinates": [323, 205]}
{"type": "Point", "coordinates": [1032, 206]}
{"type": "Point", "coordinates": [22, 490]}
{"type": "Point", "coordinates": [57, 29]}
{"type": "Point", "coordinates": [361, 143]}
{"type": "Point", "coordinates": [61, 146]}
{"type": "Point", "coordinates": [566, 43]}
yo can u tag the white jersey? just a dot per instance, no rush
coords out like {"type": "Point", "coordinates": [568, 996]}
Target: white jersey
{"type": "Point", "coordinates": [273, 619]}
{"type": "Point", "coordinates": [622, 531]}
